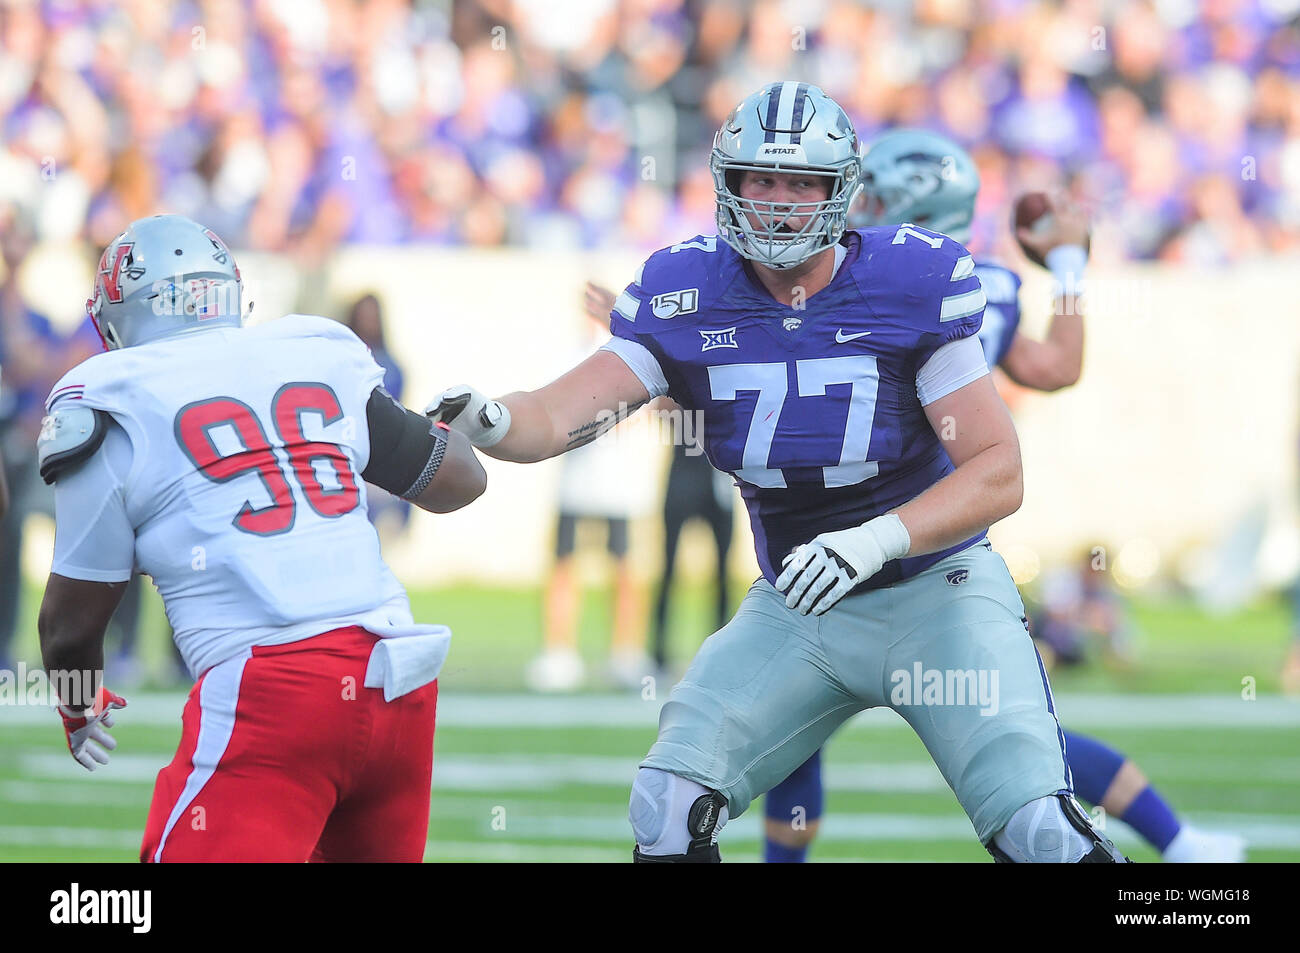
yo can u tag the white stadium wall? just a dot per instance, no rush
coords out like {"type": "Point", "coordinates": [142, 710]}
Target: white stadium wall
{"type": "Point", "coordinates": [1184, 422]}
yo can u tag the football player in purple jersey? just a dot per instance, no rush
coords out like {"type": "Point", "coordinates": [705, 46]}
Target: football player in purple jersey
{"type": "Point", "coordinates": [921, 177]}
{"type": "Point", "coordinates": [842, 384]}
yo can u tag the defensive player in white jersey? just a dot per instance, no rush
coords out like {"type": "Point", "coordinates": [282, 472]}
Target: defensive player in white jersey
{"type": "Point", "coordinates": [228, 462]}
{"type": "Point", "coordinates": [842, 384]}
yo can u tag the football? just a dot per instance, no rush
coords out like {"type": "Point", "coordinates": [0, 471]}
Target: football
{"type": "Point", "coordinates": [1033, 210]}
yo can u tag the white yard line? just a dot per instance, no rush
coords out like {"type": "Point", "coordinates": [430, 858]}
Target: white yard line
{"type": "Point", "coordinates": [79, 795]}
{"type": "Point", "coordinates": [604, 826]}
{"type": "Point", "coordinates": [493, 773]}
{"type": "Point", "coordinates": [510, 851]}
{"type": "Point", "coordinates": [485, 710]}
{"type": "Point", "coordinates": [522, 834]}
{"type": "Point", "coordinates": [507, 772]}
{"type": "Point", "coordinates": [503, 773]}
{"type": "Point", "coordinates": [80, 837]}
{"type": "Point", "coordinates": [125, 768]}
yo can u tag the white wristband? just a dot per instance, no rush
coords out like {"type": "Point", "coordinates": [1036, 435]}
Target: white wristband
{"type": "Point", "coordinates": [1066, 263]}
{"type": "Point", "coordinates": [891, 534]}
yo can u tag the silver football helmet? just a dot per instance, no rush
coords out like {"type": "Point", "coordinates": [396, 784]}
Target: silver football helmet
{"type": "Point", "coordinates": [919, 177]}
{"type": "Point", "coordinates": [164, 275]}
{"type": "Point", "coordinates": [785, 127]}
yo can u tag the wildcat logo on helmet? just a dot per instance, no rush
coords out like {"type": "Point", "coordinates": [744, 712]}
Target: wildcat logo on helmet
{"type": "Point", "coordinates": [922, 177]}
{"type": "Point", "coordinates": [670, 304]}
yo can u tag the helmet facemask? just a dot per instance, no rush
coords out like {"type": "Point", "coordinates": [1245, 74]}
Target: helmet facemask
{"type": "Point", "coordinates": [765, 231]}
{"type": "Point", "coordinates": [785, 128]}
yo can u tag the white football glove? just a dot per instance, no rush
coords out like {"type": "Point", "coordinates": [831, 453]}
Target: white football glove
{"type": "Point", "coordinates": [465, 409]}
{"type": "Point", "coordinates": [819, 574]}
{"type": "Point", "coordinates": [86, 728]}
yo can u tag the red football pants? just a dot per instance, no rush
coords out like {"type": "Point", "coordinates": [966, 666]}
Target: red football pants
{"type": "Point", "coordinates": [286, 756]}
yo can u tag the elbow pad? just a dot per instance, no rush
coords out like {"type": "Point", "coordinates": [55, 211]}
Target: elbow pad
{"type": "Point", "coordinates": [405, 448]}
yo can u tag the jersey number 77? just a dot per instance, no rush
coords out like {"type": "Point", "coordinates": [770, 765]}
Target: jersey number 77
{"type": "Point", "coordinates": [812, 376]}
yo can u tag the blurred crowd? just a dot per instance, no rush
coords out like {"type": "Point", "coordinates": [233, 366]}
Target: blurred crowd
{"type": "Point", "coordinates": [293, 125]}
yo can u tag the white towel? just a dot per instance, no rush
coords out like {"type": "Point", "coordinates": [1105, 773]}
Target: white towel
{"type": "Point", "coordinates": [406, 658]}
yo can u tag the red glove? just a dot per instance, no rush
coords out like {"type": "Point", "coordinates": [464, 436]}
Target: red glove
{"type": "Point", "coordinates": [88, 739]}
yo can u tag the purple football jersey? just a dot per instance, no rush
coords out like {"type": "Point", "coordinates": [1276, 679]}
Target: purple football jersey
{"type": "Point", "coordinates": [1001, 312]}
{"type": "Point", "coordinates": [814, 411]}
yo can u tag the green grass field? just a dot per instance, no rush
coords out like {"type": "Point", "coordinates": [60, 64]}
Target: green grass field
{"type": "Point", "coordinates": [522, 778]}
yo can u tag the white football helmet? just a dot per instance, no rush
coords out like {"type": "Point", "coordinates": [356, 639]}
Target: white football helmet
{"type": "Point", "coordinates": [918, 177]}
{"type": "Point", "coordinates": [164, 275]}
{"type": "Point", "coordinates": [784, 127]}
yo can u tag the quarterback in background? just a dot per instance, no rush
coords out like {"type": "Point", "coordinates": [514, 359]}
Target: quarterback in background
{"type": "Point", "coordinates": [228, 462]}
{"type": "Point", "coordinates": [921, 177]}
{"type": "Point", "coordinates": [842, 385]}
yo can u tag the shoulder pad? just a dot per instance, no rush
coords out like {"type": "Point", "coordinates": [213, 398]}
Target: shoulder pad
{"type": "Point", "coordinates": [688, 260]}
{"type": "Point", "coordinates": [673, 283]}
{"type": "Point", "coordinates": [307, 324]}
{"type": "Point", "coordinates": [920, 279]}
{"type": "Point", "coordinates": [1001, 284]}
{"type": "Point", "coordinates": [70, 434]}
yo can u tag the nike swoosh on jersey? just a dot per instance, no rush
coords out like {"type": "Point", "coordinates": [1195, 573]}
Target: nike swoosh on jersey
{"type": "Point", "coordinates": [842, 338]}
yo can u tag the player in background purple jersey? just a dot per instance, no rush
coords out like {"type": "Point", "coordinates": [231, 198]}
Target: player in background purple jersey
{"type": "Point", "coordinates": [917, 176]}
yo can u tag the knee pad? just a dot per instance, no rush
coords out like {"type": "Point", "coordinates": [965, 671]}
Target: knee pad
{"type": "Point", "coordinates": [674, 819]}
{"type": "Point", "coordinates": [1052, 830]}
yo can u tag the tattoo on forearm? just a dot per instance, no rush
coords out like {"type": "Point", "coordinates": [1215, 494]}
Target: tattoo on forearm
{"type": "Point", "coordinates": [584, 434]}
{"type": "Point", "coordinates": [604, 421]}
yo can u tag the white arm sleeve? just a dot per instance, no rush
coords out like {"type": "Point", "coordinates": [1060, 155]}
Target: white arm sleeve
{"type": "Point", "coordinates": [643, 364]}
{"type": "Point", "coordinates": [93, 538]}
{"type": "Point", "coordinates": [954, 365]}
